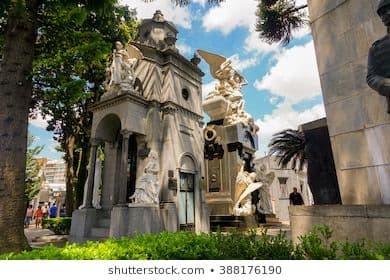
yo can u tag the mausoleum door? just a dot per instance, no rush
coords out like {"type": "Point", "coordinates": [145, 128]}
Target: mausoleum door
{"type": "Point", "coordinates": [131, 166]}
{"type": "Point", "coordinates": [186, 202]}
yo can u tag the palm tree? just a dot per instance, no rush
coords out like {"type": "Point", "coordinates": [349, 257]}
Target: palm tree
{"type": "Point", "coordinates": [289, 145]}
{"type": "Point", "coordinates": [276, 19]}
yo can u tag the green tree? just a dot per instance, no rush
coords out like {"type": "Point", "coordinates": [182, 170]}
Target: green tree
{"type": "Point", "coordinates": [33, 180]}
{"type": "Point", "coordinates": [276, 19]}
{"type": "Point", "coordinates": [289, 146]}
{"type": "Point", "coordinates": [15, 92]}
{"type": "Point", "coordinates": [20, 22]}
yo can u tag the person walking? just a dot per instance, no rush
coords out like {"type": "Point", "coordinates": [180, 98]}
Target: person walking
{"type": "Point", "coordinates": [296, 198]}
{"type": "Point", "coordinates": [53, 211]}
{"type": "Point", "coordinates": [38, 217]}
{"type": "Point", "coordinates": [29, 216]}
{"type": "Point", "coordinates": [45, 211]}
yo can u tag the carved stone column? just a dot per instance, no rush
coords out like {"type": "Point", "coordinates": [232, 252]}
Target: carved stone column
{"type": "Point", "coordinates": [123, 168]}
{"type": "Point", "coordinates": [91, 176]}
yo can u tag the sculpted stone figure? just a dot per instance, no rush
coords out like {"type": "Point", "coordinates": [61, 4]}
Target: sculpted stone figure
{"type": "Point", "coordinates": [264, 206]}
{"type": "Point", "coordinates": [120, 75]}
{"type": "Point", "coordinates": [245, 185]}
{"type": "Point", "coordinates": [378, 67]}
{"type": "Point", "coordinates": [96, 185]}
{"type": "Point", "coordinates": [147, 187]}
{"type": "Point", "coordinates": [230, 81]}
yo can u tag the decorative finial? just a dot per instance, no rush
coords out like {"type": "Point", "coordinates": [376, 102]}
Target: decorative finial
{"type": "Point", "coordinates": [158, 16]}
{"type": "Point", "coordinates": [195, 59]}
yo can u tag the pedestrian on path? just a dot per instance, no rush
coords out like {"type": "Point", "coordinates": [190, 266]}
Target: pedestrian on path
{"type": "Point", "coordinates": [29, 216]}
{"type": "Point", "coordinates": [38, 217]}
{"type": "Point", "coordinates": [53, 211]}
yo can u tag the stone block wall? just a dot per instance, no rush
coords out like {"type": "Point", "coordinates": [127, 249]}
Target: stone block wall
{"type": "Point", "coordinates": [348, 222]}
{"type": "Point", "coordinates": [359, 126]}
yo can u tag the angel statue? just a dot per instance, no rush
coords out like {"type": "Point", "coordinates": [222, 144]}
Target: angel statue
{"type": "Point", "coordinates": [264, 205]}
{"type": "Point", "coordinates": [230, 80]}
{"type": "Point", "coordinates": [147, 187]}
{"type": "Point", "coordinates": [120, 75]}
{"type": "Point", "coordinates": [246, 183]}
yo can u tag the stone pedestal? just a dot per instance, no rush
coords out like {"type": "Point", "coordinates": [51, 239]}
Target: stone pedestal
{"type": "Point", "coordinates": [119, 221]}
{"type": "Point", "coordinates": [222, 169]}
{"type": "Point", "coordinates": [143, 218]}
{"type": "Point", "coordinates": [348, 222]}
{"type": "Point", "coordinates": [358, 122]}
{"type": "Point", "coordinates": [169, 217]}
{"type": "Point", "coordinates": [216, 107]}
{"type": "Point", "coordinates": [82, 222]}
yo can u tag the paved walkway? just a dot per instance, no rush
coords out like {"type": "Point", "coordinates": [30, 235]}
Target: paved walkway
{"type": "Point", "coordinates": [41, 237]}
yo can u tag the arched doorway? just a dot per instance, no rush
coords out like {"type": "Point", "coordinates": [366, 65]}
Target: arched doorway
{"type": "Point", "coordinates": [186, 194]}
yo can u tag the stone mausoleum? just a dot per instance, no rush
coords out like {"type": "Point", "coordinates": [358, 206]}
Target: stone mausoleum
{"type": "Point", "coordinates": [146, 162]}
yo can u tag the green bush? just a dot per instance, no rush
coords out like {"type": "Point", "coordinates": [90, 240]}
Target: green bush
{"type": "Point", "coordinates": [317, 245]}
{"type": "Point", "coordinates": [212, 246]}
{"type": "Point", "coordinates": [57, 225]}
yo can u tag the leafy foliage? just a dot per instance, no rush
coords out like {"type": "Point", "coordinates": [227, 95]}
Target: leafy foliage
{"type": "Point", "coordinates": [276, 19]}
{"type": "Point", "coordinates": [289, 146]}
{"type": "Point", "coordinates": [58, 225]}
{"type": "Point", "coordinates": [168, 246]}
{"type": "Point", "coordinates": [32, 180]}
{"type": "Point", "coordinates": [212, 246]}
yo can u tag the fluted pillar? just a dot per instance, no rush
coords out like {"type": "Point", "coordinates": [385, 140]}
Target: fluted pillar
{"type": "Point", "coordinates": [91, 175]}
{"type": "Point", "coordinates": [122, 200]}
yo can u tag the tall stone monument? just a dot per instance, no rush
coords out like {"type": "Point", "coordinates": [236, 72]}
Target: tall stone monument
{"type": "Point", "coordinates": [358, 122]}
{"type": "Point", "coordinates": [230, 141]}
{"type": "Point", "coordinates": [148, 124]}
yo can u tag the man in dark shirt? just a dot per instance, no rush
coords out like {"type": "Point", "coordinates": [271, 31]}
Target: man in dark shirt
{"type": "Point", "coordinates": [296, 198]}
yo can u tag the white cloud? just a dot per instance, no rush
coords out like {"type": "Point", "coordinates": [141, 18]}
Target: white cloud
{"type": "Point", "coordinates": [274, 100]}
{"type": "Point", "coordinates": [179, 15]}
{"type": "Point", "coordinates": [241, 65]}
{"type": "Point", "coordinates": [39, 121]}
{"type": "Point", "coordinates": [230, 15]}
{"type": "Point", "coordinates": [253, 43]}
{"type": "Point", "coordinates": [284, 117]}
{"type": "Point", "coordinates": [207, 88]}
{"type": "Point", "coordinates": [200, 2]}
{"type": "Point", "coordinates": [233, 14]}
{"type": "Point", "coordinates": [301, 32]}
{"type": "Point", "coordinates": [295, 75]}
{"type": "Point", "coordinates": [184, 48]}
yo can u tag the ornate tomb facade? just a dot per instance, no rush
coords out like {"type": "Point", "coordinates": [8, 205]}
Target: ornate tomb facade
{"type": "Point", "coordinates": [147, 137]}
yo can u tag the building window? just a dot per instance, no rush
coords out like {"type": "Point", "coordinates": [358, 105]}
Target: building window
{"type": "Point", "coordinates": [283, 187]}
{"type": "Point", "coordinates": [185, 93]}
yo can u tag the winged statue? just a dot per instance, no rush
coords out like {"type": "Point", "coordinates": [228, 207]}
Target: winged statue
{"type": "Point", "coordinates": [120, 74]}
{"type": "Point", "coordinates": [221, 69]}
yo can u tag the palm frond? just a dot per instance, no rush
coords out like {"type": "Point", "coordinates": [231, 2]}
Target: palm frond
{"type": "Point", "coordinates": [276, 20]}
{"type": "Point", "coordinates": [289, 146]}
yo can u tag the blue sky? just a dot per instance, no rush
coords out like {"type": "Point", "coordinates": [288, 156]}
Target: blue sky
{"type": "Point", "coordinates": [283, 88]}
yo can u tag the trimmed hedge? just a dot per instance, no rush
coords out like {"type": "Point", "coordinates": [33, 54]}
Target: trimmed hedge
{"type": "Point", "coordinates": [58, 225]}
{"type": "Point", "coordinates": [213, 246]}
